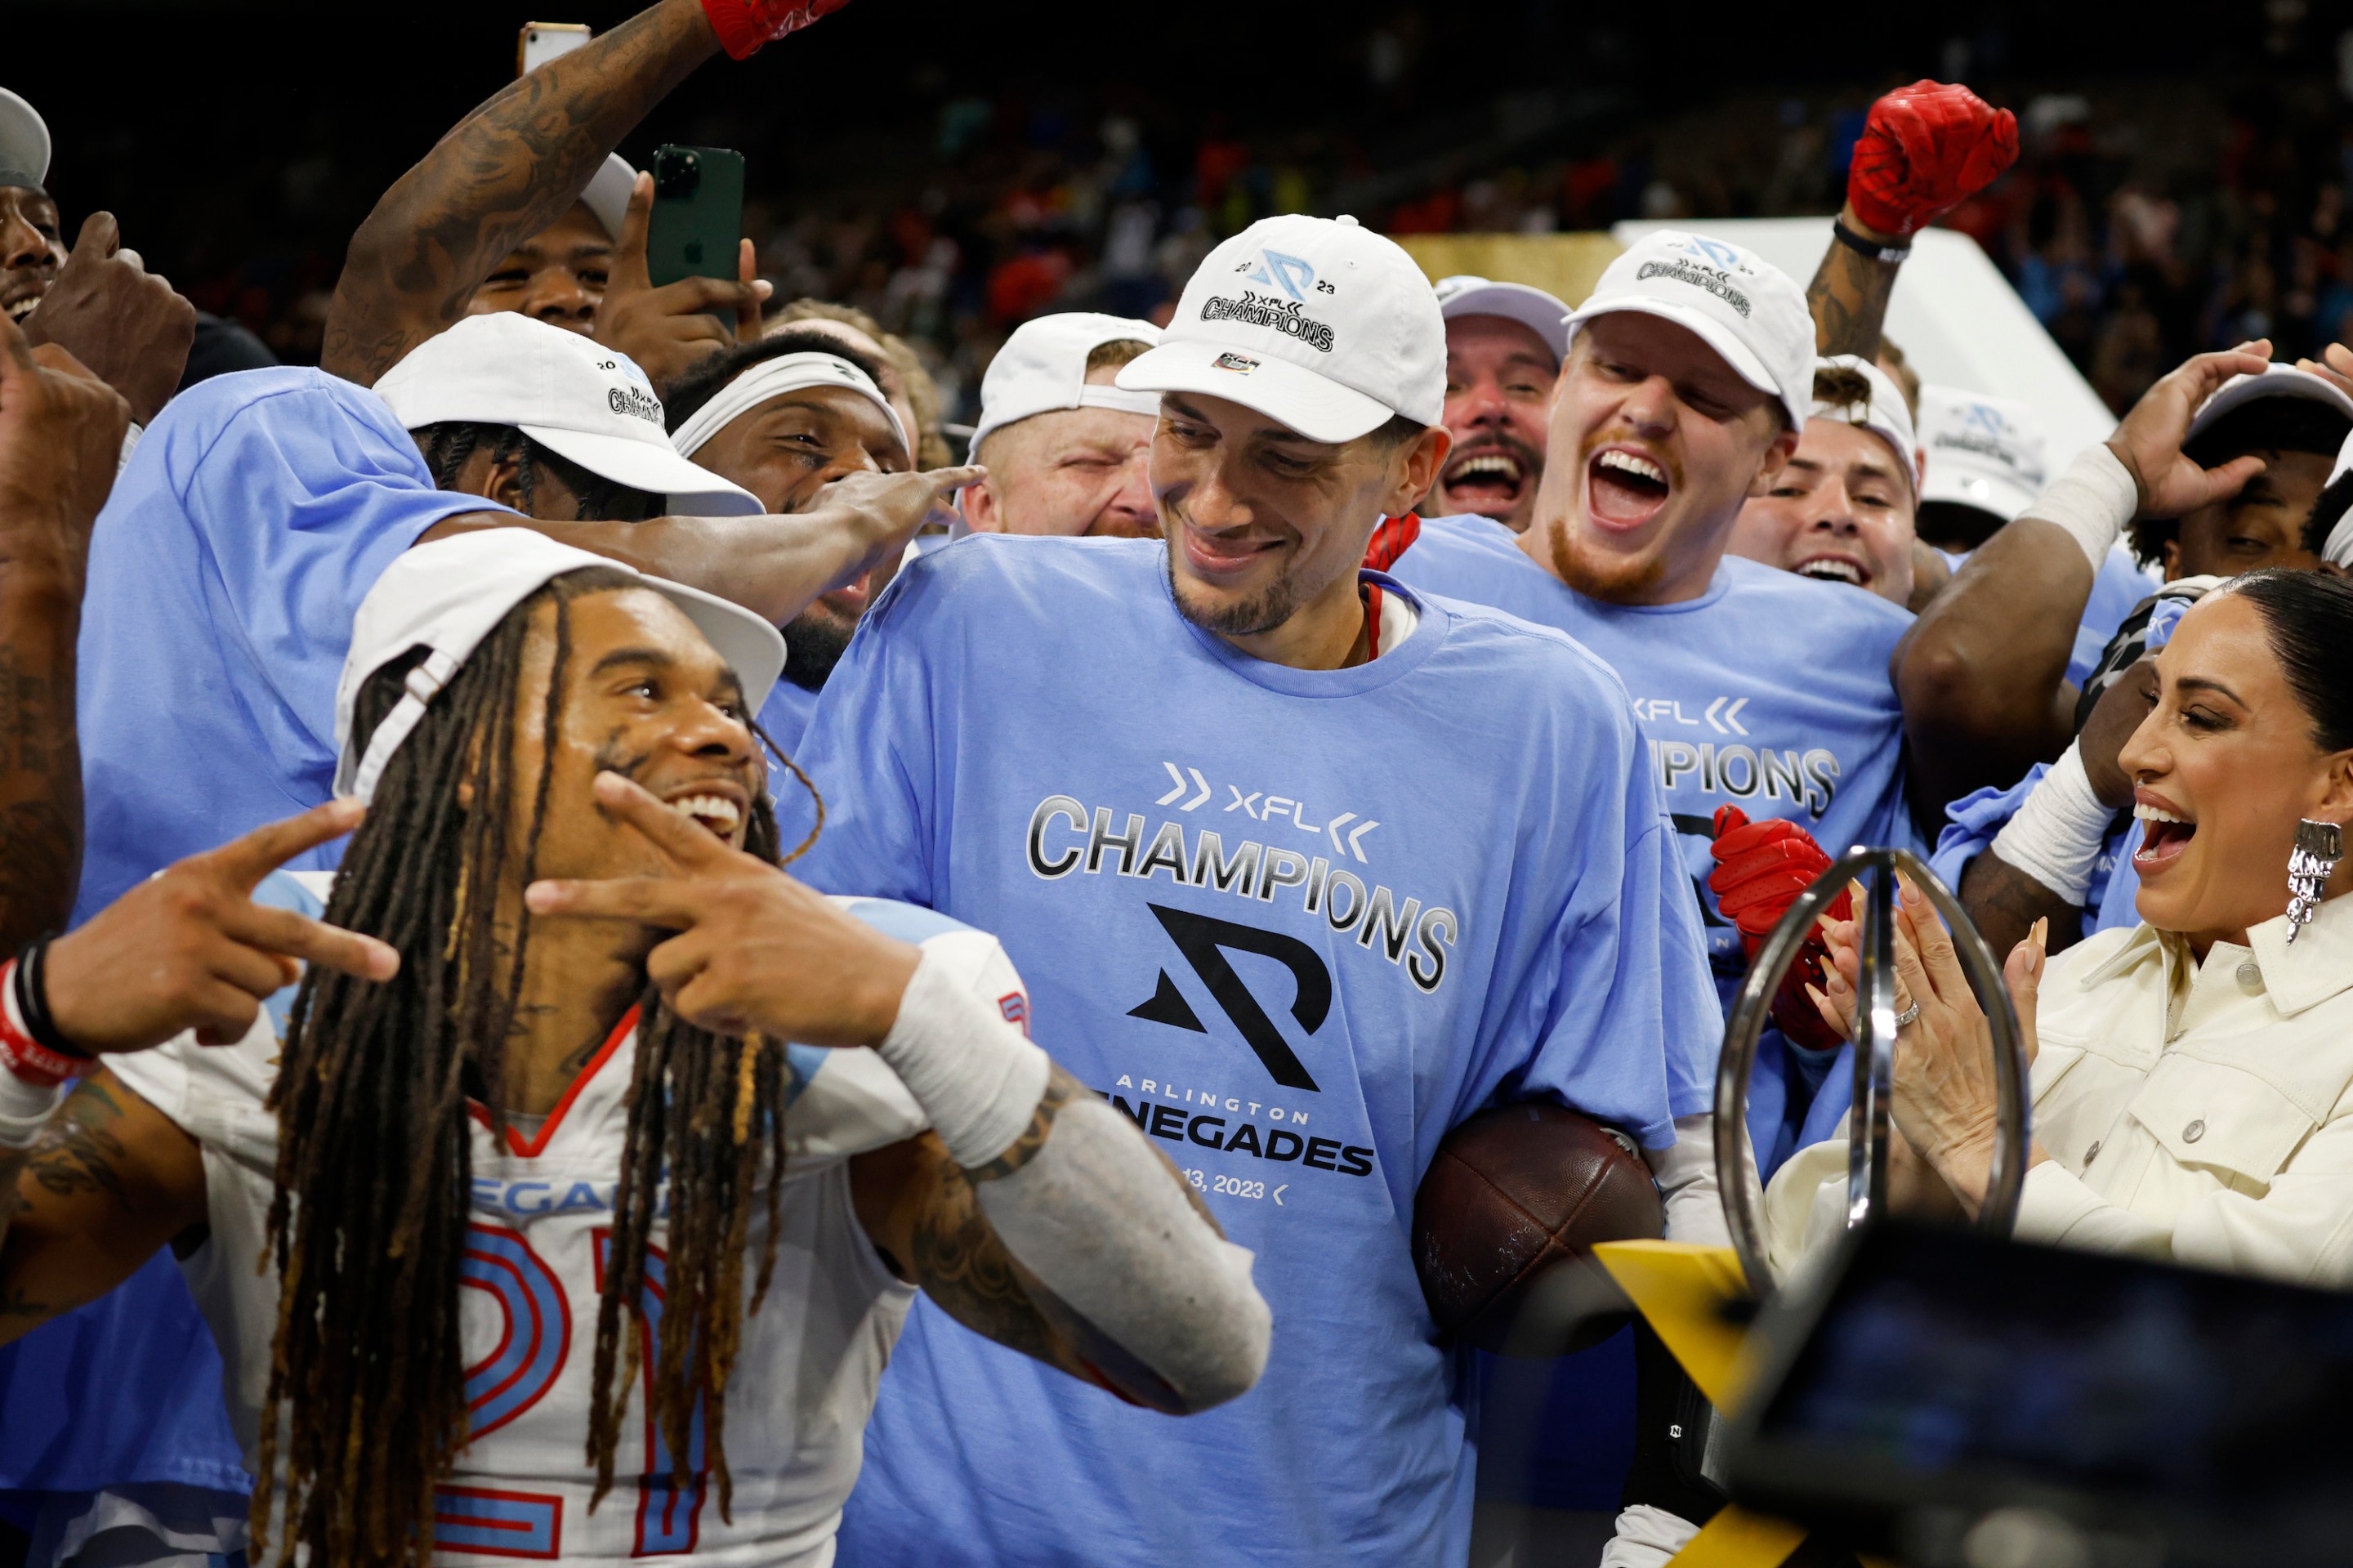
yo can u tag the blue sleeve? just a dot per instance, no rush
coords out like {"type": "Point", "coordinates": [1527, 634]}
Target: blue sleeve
{"type": "Point", "coordinates": [299, 505]}
{"type": "Point", "coordinates": [1971, 823]}
{"type": "Point", "coordinates": [872, 750]}
{"type": "Point", "coordinates": [1633, 1026]}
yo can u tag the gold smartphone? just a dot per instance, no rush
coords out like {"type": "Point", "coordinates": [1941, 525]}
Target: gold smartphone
{"type": "Point", "coordinates": [540, 42]}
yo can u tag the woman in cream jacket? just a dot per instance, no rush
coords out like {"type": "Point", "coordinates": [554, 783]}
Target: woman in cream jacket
{"type": "Point", "coordinates": [2193, 1076]}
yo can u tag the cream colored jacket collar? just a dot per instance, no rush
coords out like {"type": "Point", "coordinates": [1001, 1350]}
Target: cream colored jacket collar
{"type": "Point", "coordinates": [2317, 966]}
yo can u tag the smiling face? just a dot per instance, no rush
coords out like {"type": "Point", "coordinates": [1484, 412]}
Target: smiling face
{"type": "Point", "coordinates": [558, 276]}
{"type": "Point", "coordinates": [31, 248]}
{"type": "Point", "coordinates": [785, 451]}
{"type": "Point", "coordinates": [2263, 525]}
{"type": "Point", "coordinates": [1499, 380]}
{"type": "Point", "coordinates": [1655, 443]}
{"type": "Point", "coordinates": [644, 696]}
{"type": "Point", "coordinates": [2223, 767]}
{"type": "Point", "coordinates": [1073, 472]}
{"type": "Point", "coordinates": [1840, 510]}
{"type": "Point", "coordinates": [1260, 521]}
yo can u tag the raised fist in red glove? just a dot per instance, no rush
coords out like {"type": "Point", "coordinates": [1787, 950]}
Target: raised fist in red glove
{"type": "Point", "coordinates": [1926, 149]}
{"type": "Point", "coordinates": [1760, 869]}
{"type": "Point", "coordinates": [744, 25]}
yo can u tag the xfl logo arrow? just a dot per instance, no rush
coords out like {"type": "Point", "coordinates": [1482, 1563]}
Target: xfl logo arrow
{"type": "Point", "coordinates": [1203, 941]}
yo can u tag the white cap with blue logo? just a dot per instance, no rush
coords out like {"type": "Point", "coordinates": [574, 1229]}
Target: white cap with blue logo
{"type": "Point", "coordinates": [571, 395]}
{"type": "Point", "coordinates": [1315, 322]}
{"type": "Point", "coordinates": [1980, 451]}
{"type": "Point", "coordinates": [1734, 300]}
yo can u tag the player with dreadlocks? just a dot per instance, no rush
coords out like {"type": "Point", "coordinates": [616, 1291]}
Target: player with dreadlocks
{"type": "Point", "coordinates": [551, 1087]}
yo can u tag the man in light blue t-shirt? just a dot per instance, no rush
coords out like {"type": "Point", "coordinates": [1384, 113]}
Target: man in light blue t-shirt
{"type": "Point", "coordinates": [1690, 373]}
{"type": "Point", "coordinates": [1290, 886]}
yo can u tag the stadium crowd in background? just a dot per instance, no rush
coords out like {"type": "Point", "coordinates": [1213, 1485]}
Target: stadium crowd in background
{"type": "Point", "coordinates": [410, 1031]}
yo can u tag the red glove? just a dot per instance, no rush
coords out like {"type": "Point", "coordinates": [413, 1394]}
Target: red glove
{"type": "Point", "coordinates": [1926, 149]}
{"type": "Point", "coordinates": [744, 25]}
{"type": "Point", "coordinates": [1760, 869]}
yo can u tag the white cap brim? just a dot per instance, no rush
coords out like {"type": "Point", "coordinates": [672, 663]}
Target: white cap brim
{"type": "Point", "coordinates": [691, 490]}
{"type": "Point", "coordinates": [607, 194]}
{"type": "Point", "coordinates": [1531, 307]}
{"type": "Point", "coordinates": [24, 143]}
{"type": "Point", "coordinates": [1794, 401]}
{"type": "Point", "coordinates": [1318, 408]}
{"type": "Point", "coordinates": [2003, 497]}
{"type": "Point", "coordinates": [2278, 381]}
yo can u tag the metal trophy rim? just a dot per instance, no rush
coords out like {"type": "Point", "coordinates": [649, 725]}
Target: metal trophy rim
{"type": "Point", "coordinates": [1743, 1192]}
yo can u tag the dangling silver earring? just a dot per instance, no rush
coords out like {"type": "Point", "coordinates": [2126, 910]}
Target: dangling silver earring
{"type": "Point", "coordinates": [2318, 847]}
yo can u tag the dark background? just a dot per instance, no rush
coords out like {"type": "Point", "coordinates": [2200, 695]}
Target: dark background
{"type": "Point", "coordinates": [959, 168]}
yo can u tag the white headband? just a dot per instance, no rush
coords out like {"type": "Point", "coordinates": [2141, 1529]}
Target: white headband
{"type": "Point", "coordinates": [772, 378]}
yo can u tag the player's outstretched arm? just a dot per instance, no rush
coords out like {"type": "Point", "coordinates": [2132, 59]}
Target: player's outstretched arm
{"type": "Point", "coordinates": [1983, 673]}
{"type": "Point", "coordinates": [91, 1187]}
{"type": "Point", "coordinates": [506, 172]}
{"type": "Point", "coordinates": [1032, 1210]}
{"type": "Point", "coordinates": [773, 566]}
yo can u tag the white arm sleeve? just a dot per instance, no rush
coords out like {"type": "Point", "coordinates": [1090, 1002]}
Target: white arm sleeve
{"type": "Point", "coordinates": [1685, 1173]}
{"type": "Point", "coordinates": [2092, 501]}
{"type": "Point", "coordinates": [1095, 1215]}
{"type": "Point", "coordinates": [2056, 836]}
{"type": "Point", "coordinates": [1647, 1538]}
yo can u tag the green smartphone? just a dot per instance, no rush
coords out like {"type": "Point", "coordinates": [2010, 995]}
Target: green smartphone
{"type": "Point", "coordinates": [698, 214]}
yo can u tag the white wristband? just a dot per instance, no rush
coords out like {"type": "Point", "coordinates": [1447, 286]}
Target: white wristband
{"type": "Point", "coordinates": [2092, 501]}
{"type": "Point", "coordinates": [26, 1108]}
{"type": "Point", "coordinates": [2057, 834]}
{"type": "Point", "coordinates": [977, 1078]}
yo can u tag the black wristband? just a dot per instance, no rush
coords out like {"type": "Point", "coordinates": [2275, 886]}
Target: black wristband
{"type": "Point", "coordinates": [33, 1002]}
{"type": "Point", "coordinates": [1891, 255]}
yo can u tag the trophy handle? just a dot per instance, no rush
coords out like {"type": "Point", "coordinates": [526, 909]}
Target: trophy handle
{"type": "Point", "coordinates": [1874, 1054]}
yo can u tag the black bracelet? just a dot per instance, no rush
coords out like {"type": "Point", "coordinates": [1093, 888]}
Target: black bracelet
{"type": "Point", "coordinates": [1892, 254]}
{"type": "Point", "coordinates": [33, 1002]}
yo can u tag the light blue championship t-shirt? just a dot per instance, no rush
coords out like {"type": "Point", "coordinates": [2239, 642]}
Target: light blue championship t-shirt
{"type": "Point", "coordinates": [1298, 923]}
{"type": "Point", "coordinates": [225, 570]}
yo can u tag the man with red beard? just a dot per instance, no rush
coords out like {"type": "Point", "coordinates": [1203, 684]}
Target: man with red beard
{"type": "Point", "coordinates": [1504, 343]}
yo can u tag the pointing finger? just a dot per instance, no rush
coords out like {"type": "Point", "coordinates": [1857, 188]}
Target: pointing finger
{"type": "Point", "coordinates": [688, 845]}
{"type": "Point", "coordinates": [282, 931]}
{"type": "Point", "coordinates": [628, 269]}
{"type": "Point", "coordinates": [660, 901]}
{"type": "Point", "coordinates": [248, 860]}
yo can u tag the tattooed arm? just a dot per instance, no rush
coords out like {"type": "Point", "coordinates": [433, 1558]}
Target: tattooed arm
{"type": "Point", "coordinates": [110, 1179]}
{"type": "Point", "coordinates": [508, 170]}
{"type": "Point", "coordinates": [1848, 297]}
{"type": "Point", "coordinates": [1080, 1245]}
{"type": "Point", "coordinates": [60, 431]}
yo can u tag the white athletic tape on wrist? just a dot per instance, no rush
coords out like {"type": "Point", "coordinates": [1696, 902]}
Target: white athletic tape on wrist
{"type": "Point", "coordinates": [1103, 1223]}
{"type": "Point", "coordinates": [978, 1078]}
{"type": "Point", "coordinates": [2092, 501]}
{"type": "Point", "coordinates": [2057, 834]}
{"type": "Point", "coordinates": [26, 1108]}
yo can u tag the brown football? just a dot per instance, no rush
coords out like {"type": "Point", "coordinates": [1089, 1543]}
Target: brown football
{"type": "Point", "coordinates": [1505, 1221]}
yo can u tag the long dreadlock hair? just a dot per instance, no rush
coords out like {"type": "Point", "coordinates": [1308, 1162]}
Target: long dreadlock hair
{"type": "Point", "coordinates": [447, 445]}
{"type": "Point", "coordinates": [368, 1223]}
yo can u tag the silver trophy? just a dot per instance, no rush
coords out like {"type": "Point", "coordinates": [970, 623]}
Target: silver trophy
{"type": "Point", "coordinates": [1874, 1053]}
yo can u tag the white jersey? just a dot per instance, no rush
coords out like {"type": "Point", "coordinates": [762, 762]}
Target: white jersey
{"type": "Point", "coordinates": [802, 1386]}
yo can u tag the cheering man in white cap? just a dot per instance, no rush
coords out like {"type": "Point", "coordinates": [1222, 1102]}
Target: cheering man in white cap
{"type": "Point", "coordinates": [491, 1127]}
{"type": "Point", "coordinates": [1065, 447]}
{"type": "Point", "coordinates": [1843, 509]}
{"type": "Point", "coordinates": [1288, 890]}
{"type": "Point", "coordinates": [1503, 349]}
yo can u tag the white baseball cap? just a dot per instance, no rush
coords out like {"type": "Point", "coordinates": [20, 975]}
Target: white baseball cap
{"type": "Point", "coordinates": [571, 395]}
{"type": "Point", "coordinates": [1465, 295]}
{"type": "Point", "coordinates": [24, 143]}
{"type": "Point", "coordinates": [2276, 381]}
{"type": "Point", "coordinates": [1738, 304]}
{"type": "Point", "coordinates": [1316, 322]}
{"type": "Point", "coordinates": [1043, 368]}
{"type": "Point", "coordinates": [1982, 451]}
{"type": "Point", "coordinates": [607, 194]}
{"type": "Point", "coordinates": [451, 594]}
{"type": "Point", "coordinates": [1884, 414]}
{"type": "Point", "coordinates": [2338, 548]}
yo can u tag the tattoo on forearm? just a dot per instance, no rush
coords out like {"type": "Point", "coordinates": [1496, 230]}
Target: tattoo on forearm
{"type": "Point", "coordinates": [80, 1152]}
{"type": "Point", "coordinates": [1848, 298]}
{"type": "Point", "coordinates": [961, 1263]}
{"type": "Point", "coordinates": [1060, 1089]}
{"type": "Point", "coordinates": [2005, 902]}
